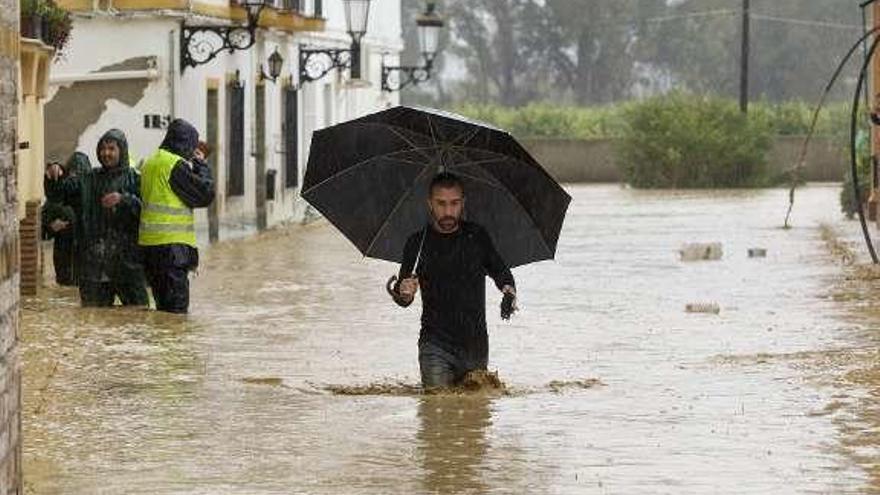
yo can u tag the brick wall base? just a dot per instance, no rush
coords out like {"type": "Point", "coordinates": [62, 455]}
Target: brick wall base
{"type": "Point", "coordinates": [29, 233]}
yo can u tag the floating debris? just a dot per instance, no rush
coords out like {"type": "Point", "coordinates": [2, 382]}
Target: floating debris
{"type": "Point", "coordinates": [757, 253]}
{"type": "Point", "coordinates": [701, 252]}
{"type": "Point", "coordinates": [709, 308]}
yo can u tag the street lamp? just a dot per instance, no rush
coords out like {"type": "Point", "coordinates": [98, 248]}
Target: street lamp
{"type": "Point", "coordinates": [315, 63]}
{"type": "Point", "coordinates": [202, 43]}
{"type": "Point", "coordinates": [429, 25]}
{"type": "Point", "coordinates": [357, 13]}
{"type": "Point", "coordinates": [276, 61]}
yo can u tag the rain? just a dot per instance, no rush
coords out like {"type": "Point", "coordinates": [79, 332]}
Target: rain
{"type": "Point", "coordinates": [440, 247]}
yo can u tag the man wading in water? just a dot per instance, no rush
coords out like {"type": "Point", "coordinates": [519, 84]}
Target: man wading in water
{"type": "Point", "coordinates": [451, 258]}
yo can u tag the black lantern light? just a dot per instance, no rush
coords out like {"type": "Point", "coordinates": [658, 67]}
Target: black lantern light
{"type": "Point", "coordinates": [315, 63]}
{"type": "Point", "coordinates": [253, 7]}
{"type": "Point", "coordinates": [357, 13]}
{"type": "Point", "coordinates": [429, 26]}
{"type": "Point", "coordinates": [201, 44]}
{"type": "Point", "coordinates": [276, 62]}
{"type": "Point", "coordinates": [395, 78]}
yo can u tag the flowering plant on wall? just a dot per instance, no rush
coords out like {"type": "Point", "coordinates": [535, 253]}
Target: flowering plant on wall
{"type": "Point", "coordinates": [31, 14]}
{"type": "Point", "coordinates": [46, 21]}
{"type": "Point", "coordinates": [58, 24]}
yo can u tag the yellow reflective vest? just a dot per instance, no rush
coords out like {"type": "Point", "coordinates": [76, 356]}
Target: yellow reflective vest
{"type": "Point", "coordinates": [165, 219]}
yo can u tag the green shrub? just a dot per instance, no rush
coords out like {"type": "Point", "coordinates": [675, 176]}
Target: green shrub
{"type": "Point", "coordinates": [59, 24]}
{"type": "Point", "coordinates": [790, 118]}
{"type": "Point", "coordinates": [45, 19]}
{"type": "Point", "coordinates": [539, 120]}
{"type": "Point", "coordinates": [793, 118]}
{"type": "Point", "coordinates": [863, 168]}
{"type": "Point", "coordinates": [742, 144]}
{"type": "Point", "coordinates": [682, 140]}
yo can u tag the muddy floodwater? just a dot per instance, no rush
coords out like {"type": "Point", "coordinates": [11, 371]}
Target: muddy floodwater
{"type": "Point", "coordinates": [295, 373]}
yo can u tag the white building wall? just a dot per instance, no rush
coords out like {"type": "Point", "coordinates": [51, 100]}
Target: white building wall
{"type": "Point", "coordinates": [102, 40]}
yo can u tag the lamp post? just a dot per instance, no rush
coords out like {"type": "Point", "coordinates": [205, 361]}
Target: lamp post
{"type": "Point", "coordinates": [315, 63]}
{"type": "Point", "coordinates": [744, 59]}
{"type": "Point", "coordinates": [200, 44]}
{"type": "Point", "coordinates": [429, 25]}
{"type": "Point", "coordinates": [276, 61]}
{"type": "Point", "coordinates": [357, 13]}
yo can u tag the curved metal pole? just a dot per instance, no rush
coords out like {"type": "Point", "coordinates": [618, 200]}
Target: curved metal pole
{"type": "Point", "coordinates": [852, 148]}
{"type": "Point", "coordinates": [802, 156]}
{"type": "Point", "coordinates": [865, 44]}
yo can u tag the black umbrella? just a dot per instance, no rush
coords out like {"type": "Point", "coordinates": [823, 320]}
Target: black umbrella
{"type": "Point", "coordinates": [370, 178]}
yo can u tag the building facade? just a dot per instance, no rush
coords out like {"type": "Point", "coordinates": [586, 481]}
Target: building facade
{"type": "Point", "coordinates": [10, 375]}
{"type": "Point", "coordinates": [124, 69]}
{"type": "Point", "coordinates": [35, 63]}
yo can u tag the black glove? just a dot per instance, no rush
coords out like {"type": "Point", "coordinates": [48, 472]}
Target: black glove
{"type": "Point", "coordinates": [508, 305]}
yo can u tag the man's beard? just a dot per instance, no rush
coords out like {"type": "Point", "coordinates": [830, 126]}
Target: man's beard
{"type": "Point", "coordinates": [448, 223]}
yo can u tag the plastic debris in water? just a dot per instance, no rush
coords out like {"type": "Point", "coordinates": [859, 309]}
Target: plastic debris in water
{"type": "Point", "coordinates": [757, 253]}
{"type": "Point", "coordinates": [701, 252]}
{"type": "Point", "coordinates": [711, 308]}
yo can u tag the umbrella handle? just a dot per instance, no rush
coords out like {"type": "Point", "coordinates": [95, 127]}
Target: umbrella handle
{"type": "Point", "coordinates": [389, 284]}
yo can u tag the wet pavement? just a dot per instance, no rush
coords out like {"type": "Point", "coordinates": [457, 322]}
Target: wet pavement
{"type": "Point", "coordinates": [296, 374]}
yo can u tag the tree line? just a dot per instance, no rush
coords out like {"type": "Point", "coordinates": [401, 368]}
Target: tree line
{"type": "Point", "coordinates": [593, 52]}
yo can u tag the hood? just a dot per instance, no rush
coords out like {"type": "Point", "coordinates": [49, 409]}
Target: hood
{"type": "Point", "coordinates": [78, 164]}
{"type": "Point", "coordinates": [121, 141]}
{"type": "Point", "coordinates": [181, 139]}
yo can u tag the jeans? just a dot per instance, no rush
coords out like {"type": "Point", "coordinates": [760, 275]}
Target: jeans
{"type": "Point", "coordinates": [441, 368]}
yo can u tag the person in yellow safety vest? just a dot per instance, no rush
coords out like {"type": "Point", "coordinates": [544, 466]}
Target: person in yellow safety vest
{"type": "Point", "coordinates": [174, 180]}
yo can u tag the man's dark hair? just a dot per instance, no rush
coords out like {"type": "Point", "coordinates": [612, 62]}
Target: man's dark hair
{"type": "Point", "coordinates": [446, 180]}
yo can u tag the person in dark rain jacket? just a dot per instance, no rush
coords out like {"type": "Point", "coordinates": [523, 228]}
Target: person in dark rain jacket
{"type": "Point", "coordinates": [107, 205]}
{"type": "Point", "coordinates": [176, 179]}
{"type": "Point", "coordinates": [449, 260]}
{"type": "Point", "coordinates": [59, 223]}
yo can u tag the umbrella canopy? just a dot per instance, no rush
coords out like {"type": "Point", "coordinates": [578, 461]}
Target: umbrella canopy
{"type": "Point", "coordinates": [370, 178]}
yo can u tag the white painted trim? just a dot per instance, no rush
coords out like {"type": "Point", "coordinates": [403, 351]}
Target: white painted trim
{"type": "Point", "coordinates": [59, 79]}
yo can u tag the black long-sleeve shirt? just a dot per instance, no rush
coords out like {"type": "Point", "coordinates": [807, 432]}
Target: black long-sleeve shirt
{"type": "Point", "coordinates": [194, 184]}
{"type": "Point", "coordinates": [452, 271]}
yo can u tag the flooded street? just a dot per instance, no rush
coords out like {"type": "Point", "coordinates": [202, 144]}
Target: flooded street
{"type": "Point", "coordinates": [295, 373]}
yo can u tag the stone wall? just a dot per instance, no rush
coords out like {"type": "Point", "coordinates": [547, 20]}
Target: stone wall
{"type": "Point", "coordinates": [10, 376]}
{"type": "Point", "coordinates": [593, 160]}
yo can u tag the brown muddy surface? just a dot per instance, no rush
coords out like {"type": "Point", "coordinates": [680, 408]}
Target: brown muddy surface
{"type": "Point", "coordinates": [475, 382]}
{"type": "Point", "coordinates": [296, 374]}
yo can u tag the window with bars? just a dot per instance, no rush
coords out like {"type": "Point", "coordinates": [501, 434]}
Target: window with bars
{"type": "Point", "coordinates": [235, 160]}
